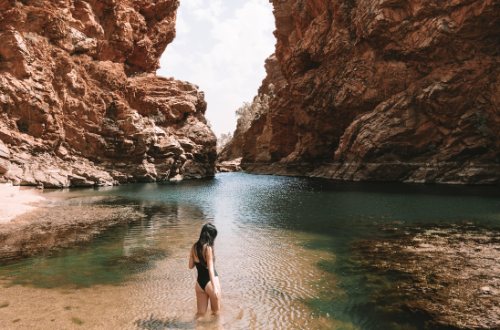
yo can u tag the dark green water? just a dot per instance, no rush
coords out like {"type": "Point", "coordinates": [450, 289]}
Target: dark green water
{"type": "Point", "coordinates": [264, 222]}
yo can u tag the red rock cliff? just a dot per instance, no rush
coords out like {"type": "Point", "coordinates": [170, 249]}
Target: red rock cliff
{"type": "Point", "coordinates": [383, 90]}
{"type": "Point", "coordinates": [80, 102]}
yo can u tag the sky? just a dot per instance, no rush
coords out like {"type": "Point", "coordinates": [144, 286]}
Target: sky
{"type": "Point", "coordinates": [221, 46]}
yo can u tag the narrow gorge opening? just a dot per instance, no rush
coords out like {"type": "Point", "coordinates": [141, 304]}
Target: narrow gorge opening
{"type": "Point", "coordinates": [221, 46]}
{"type": "Point", "coordinates": [389, 91]}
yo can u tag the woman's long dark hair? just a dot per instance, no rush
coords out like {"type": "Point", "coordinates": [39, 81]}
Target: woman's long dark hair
{"type": "Point", "coordinates": [207, 237]}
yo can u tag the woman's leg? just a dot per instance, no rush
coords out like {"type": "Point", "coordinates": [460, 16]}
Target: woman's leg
{"type": "Point", "coordinates": [214, 299]}
{"type": "Point", "coordinates": [201, 300]}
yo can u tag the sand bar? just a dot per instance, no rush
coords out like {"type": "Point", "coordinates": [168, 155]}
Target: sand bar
{"type": "Point", "coordinates": [15, 201]}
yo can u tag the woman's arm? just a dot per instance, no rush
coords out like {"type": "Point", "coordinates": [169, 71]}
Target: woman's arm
{"type": "Point", "coordinates": [210, 264]}
{"type": "Point", "coordinates": [191, 258]}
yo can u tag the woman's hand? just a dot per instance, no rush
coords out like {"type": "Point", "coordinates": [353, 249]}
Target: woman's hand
{"type": "Point", "coordinates": [216, 289]}
{"type": "Point", "coordinates": [191, 259]}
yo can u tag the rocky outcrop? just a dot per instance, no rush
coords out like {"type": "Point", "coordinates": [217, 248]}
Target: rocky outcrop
{"type": "Point", "coordinates": [229, 165]}
{"type": "Point", "coordinates": [251, 112]}
{"type": "Point", "coordinates": [54, 228]}
{"type": "Point", "coordinates": [81, 104]}
{"type": "Point", "coordinates": [383, 90]}
{"type": "Point", "coordinates": [449, 274]}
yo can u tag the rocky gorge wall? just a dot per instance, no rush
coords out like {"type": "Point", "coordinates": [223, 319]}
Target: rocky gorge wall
{"type": "Point", "coordinates": [81, 104]}
{"type": "Point", "coordinates": [382, 90]}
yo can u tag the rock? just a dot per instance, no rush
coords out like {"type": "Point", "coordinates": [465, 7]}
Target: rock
{"type": "Point", "coordinates": [167, 145]}
{"type": "Point", "coordinates": [62, 152]}
{"type": "Point", "coordinates": [80, 181]}
{"type": "Point", "coordinates": [146, 172]}
{"type": "Point", "coordinates": [4, 151]}
{"type": "Point", "coordinates": [177, 178]}
{"type": "Point", "coordinates": [451, 273]}
{"type": "Point", "coordinates": [93, 99]}
{"type": "Point", "coordinates": [4, 158]}
{"type": "Point", "coordinates": [485, 290]}
{"type": "Point", "coordinates": [119, 177]}
{"type": "Point", "coordinates": [379, 90]}
{"type": "Point", "coordinates": [4, 166]}
{"type": "Point", "coordinates": [229, 166]}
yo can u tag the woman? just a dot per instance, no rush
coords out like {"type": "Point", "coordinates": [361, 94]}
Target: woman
{"type": "Point", "coordinates": [207, 285]}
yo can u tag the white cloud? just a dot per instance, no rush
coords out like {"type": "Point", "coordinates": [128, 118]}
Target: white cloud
{"type": "Point", "coordinates": [221, 48]}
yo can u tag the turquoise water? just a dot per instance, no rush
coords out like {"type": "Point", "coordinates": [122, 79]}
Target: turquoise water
{"type": "Point", "coordinates": [284, 251]}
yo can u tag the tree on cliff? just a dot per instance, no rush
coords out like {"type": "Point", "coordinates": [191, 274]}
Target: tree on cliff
{"type": "Point", "coordinates": [246, 114]}
{"type": "Point", "coordinates": [250, 111]}
{"type": "Point", "coordinates": [223, 139]}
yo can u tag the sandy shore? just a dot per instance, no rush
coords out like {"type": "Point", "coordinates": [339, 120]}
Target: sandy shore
{"type": "Point", "coordinates": [31, 223]}
{"type": "Point", "coordinates": [15, 201]}
{"type": "Point", "coordinates": [59, 226]}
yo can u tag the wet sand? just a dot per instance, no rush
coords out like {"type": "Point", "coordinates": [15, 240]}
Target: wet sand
{"type": "Point", "coordinates": [15, 200]}
{"type": "Point", "coordinates": [263, 290]}
{"type": "Point", "coordinates": [50, 228]}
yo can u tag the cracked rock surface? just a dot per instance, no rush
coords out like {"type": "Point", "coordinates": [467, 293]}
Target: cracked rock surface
{"type": "Point", "coordinates": [81, 104]}
{"type": "Point", "coordinates": [381, 90]}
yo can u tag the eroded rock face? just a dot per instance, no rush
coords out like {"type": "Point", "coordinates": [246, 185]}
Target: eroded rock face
{"type": "Point", "coordinates": [383, 90]}
{"type": "Point", "coordinates": [248, 114]}
{"type": "Point", "coordinates": [229, 165]}
{"type": "Point", "coordinates": [81, 104]}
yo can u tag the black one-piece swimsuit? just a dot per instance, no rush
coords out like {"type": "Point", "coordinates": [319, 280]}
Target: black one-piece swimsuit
{"type": "Point", "coordinates": [203, 275]}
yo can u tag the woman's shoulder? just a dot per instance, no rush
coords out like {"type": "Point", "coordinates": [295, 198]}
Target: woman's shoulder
{"type": "Point", "coordinates": [207, 249]}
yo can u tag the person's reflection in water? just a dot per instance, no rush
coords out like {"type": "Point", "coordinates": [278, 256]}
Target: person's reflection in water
{"type": "Point", "coordinates": [209, 322]}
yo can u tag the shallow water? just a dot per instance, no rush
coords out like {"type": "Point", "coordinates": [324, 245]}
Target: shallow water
{"type": "Point", "coordinates": [284, 255]}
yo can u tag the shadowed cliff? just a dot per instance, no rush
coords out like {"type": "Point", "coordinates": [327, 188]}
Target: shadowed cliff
{"type": "Point", "coordinates": [381, 90]}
